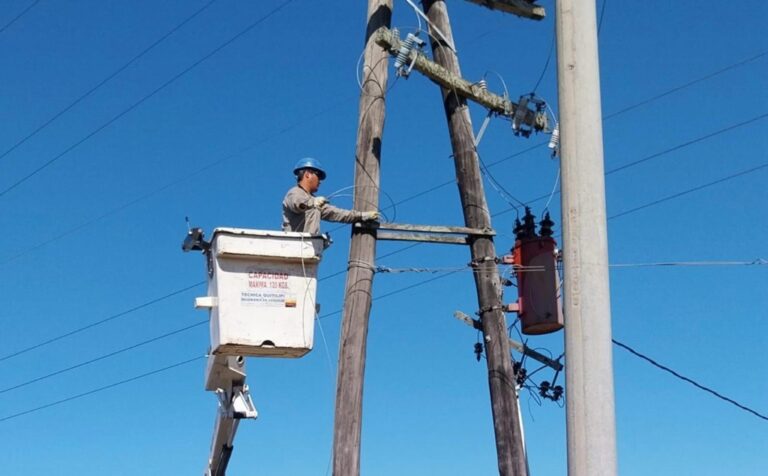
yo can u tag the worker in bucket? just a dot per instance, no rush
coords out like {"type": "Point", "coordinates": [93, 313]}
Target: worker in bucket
{"type": "Point", "coordinates": [302, 210]}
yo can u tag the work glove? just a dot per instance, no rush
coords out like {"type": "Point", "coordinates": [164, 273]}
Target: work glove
{"type": "Point", "coordinates": [319, 202]}
{"type": "Point", "coordinates": [370, 216]}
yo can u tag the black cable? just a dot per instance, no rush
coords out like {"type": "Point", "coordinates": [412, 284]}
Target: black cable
{"type": "Point", "coordinates": [657, 155]}
{"type": "Point", "coordinates": [602, 14]}
{"type": "Point", "coordinates": [491, 164]}
{"type": "Point", "coordinates": [100, 389]}
{"type": "Point", "coordinates": [396, 291]}
{"type": "Point", "coordinates": [102, 357]}
{"type": "Point", "coordinates": [23, 12]}
{"type": "Point", "coordinates": [546, 63]}
{"type": "Point", "coordinates": [684, 378]}
{"type": "Point", "coordinates": [686, 85]}
{"type": "Point", "coordinates": [690, 190]}
{"type": "Point", "coordinates": [688, 143]}
{"type": "Point", "coordinates": [146, 97]}
{"type": "Point", "coordinates": [100, 322]}
{"type": "Point", "coordinates": [105, 80]}
{"type": "Point", "coordinates": [162, 188]}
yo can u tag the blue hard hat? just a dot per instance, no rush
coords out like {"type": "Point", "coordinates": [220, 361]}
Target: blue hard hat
{"type": "Point", "coordinates": [310, 163]}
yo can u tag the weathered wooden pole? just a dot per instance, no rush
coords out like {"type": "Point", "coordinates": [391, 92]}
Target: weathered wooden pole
{"type": "Point", "coordinates": [357, 298]}
{"type": "Point", "coordinates": [501, 376]}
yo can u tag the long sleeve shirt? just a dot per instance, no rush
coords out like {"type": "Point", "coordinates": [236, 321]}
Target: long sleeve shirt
{"type": "Point", "coordinates": [301, 214]}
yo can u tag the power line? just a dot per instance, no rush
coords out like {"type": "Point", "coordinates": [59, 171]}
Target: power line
{"type": "Point", "coordinates": [688, 84]}
{"type": "Point", "coordinates": [106, 80]}
{"type": "Point", "coordinates": [100, 389]}
{"type": "Point", "coordinates": [146, 97]}
{"type": "Point", "coordinates": [602, 15]}
{"type": "Point", "coordinates": [660, 154]}
{"type": "Point", "coordinates": [491, 164]}
{"type": "Point", "coordinates": [153, 372]}
{"type": "Point", "coordinates": [755, 262]}
{"type": "Point", "coordinates": [23, 12]}
{"type": "Point", "coordinates": [102, 357]}
{"type": "Point", "coordinates": [686, 379]}
{"type": "Point", "coordinates": [688, 143]}
{"type": "Point", "coordinates": [100, 322]}
{"type": "Point", "coordinates": [690, 190]}
{"type": "Point", "coordinates": [396, 291]}
{"type": "Point", "coordinates": [162, 188]}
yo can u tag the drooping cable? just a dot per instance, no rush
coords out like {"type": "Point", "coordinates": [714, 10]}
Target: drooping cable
{"type": "Point", "coordinates": [686, 379]}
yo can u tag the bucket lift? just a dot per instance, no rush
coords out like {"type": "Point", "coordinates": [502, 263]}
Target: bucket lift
{"type": "Point", "coordinates": [262, 302]}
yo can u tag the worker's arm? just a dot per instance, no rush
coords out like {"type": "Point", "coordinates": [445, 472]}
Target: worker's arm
{"type": "Point", "coordinates": [330, 213]}
{"type": "Point", "coordinates": [298, 201]}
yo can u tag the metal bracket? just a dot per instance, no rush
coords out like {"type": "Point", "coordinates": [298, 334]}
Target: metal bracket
{"type": "Point", "coordinates": [522, 348]}
{"type": "Point", "coordinates": [225, 375]}
{"type": "Point", "coordinates": [457, 235]}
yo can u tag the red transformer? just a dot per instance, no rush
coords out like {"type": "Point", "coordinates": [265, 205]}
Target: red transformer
{"type": "Point", "coordinates": [538, 285]}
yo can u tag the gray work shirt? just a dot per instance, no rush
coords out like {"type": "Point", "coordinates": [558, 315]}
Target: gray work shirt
{"type": "Point", "coordinates": [300, 213]}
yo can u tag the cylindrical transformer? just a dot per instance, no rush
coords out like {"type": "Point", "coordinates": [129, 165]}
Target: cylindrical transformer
{"type": "Point", "coordinates": [540, 307]}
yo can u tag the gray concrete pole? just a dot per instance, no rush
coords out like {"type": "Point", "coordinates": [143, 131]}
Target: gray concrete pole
{"type": "Point", "coordinates": [589, 369]}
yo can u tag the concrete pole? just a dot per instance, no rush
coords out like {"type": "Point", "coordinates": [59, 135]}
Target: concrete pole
{"type": "Point", "coordinates": [589, 369]}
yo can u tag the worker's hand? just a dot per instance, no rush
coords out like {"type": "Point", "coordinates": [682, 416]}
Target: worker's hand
{"type": "Point", "coordinates": [320, 202]}
{"type": "Point", "coordinates": [370, 216]}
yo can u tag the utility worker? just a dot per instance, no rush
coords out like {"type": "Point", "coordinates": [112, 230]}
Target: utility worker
{"type": "Point", "coordinates": [302, 210]}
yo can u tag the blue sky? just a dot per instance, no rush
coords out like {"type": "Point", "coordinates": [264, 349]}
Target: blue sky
{"type": "Point", "coordinates": [208, 124]}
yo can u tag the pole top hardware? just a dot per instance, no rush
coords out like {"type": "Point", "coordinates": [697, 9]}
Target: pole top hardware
{"type": "Point", "coordinates": [526, 119]}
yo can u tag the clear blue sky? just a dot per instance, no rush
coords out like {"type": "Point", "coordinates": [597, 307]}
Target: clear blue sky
{"type": "Point", "coordinates": [97, 233]}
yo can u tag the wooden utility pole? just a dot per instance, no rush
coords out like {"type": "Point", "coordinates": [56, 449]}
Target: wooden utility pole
{"type": "Point", "coordinates": [357, 297]}
{"type": "Point", "coordinates": [589, 370]}
{"type": "Point", "coordinates": [501, 376]}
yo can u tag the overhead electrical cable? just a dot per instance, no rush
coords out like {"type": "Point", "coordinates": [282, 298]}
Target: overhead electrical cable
{"type": "Point", "coordinates": [287, 128]}
{"type": "Point", "coordinates": [99, 322]}
{"type": "Point", "coordinates": [686, 379]}
{"type": "Point", "coordinates": [162, 188]}
{"type": "Point", "coordinates": [146, 97]}
{"type": "Point", "coordinates": [688, 143]}
{"type": "Point", "coordinates": [687, 85]}
{"type": "Point", "coordinates": [106, 80]}
{"type": "Point", "coordinates": [23, 12]}
{"type": "Point", "coordinates": [661, 154]}
{"type": "Point", "coordinates": [755, 262]}
{"type": "Point", "coordinates": [101, 389]}
{"type": "Point", "coordinates": [147, 374]}
{"type": "Point", "coordinates": [102, 357]}
{"type": "Point", "coordinates": [690, 190]}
